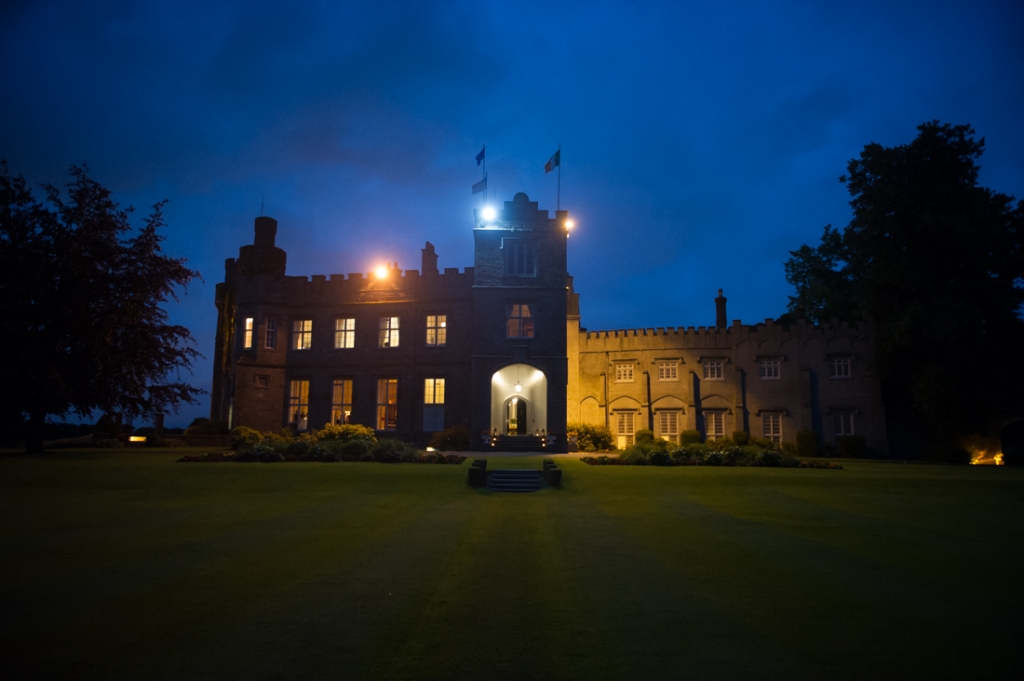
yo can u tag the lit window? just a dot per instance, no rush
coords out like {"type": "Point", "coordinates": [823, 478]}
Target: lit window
{"type": "Point", "coordinates": [247, 338]}
{"type": "Point", "coordinates": [388, 332]}
{"type": "Point", "coordinates": [344, 333]}
{"type": "Point", "coordinates": [302, 334]}
{"type": "Point", "coordinates": [713, 370]}
{"type": "Point", "coordinates": [668, 371]}
{"type": "Point", "coordinates": [839, 367]}
{"type": "Point", "coordinates": [437, 329]}
{"type": "Point", "coordinates": [624, 428]}
{"type": "Point", "coordinates": [520, 258]}
{"type": "Point", "coordinates": [623, 373]}
{"type": "Point", "coordinates": [298, 404]}
{"type": "Point", "coordinates": [843, 423]}
{"type": "Point", "coordinates": [770, 369]}
{"type": "Point", "coordinates": [668, 425]}
{"type": "Point", "coordinates": [387, 404]}
{"type": "Point", "coordinates": [270, 342]}
{"type": "Point", "coordinates": [433, 404]}
{"type": "Point", "coordinates": [714, 425]}
{"type": "Point", "coordinates": [520, 321]}
{"type": "Point", "coordinates": [771, 427]}
{"type": "Point", "coordinates": [341, 402]}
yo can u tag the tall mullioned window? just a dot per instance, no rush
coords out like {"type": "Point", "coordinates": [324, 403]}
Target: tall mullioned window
{"type": "Point", "coordinates": [714, 425]}
{"type": "Point", "coordinates": [843, 423]}
{"type": "Point", "coordinates": [519, 321]}
{"type": "Point", "coordinates": [387, 404]}
{"type": "Point", "coordinates": [624, 424]}
{"type": "Point", "coordinates": [388, 332]}
{"type": "Point", "coordinates": [344, 333]}
{"type": "Point", "coordinates": [270, 340]}
{"type": "Point", "coordinates": [624, 373]}
{"type": "Point", "coordinates": [520, 258]}
{"type": "Point", "coordinates": [437, 329]}
{"type": "Point", "coordinates": [433, 404]}
{"type": "Point", "coordinates": [298, 404]}
{"type": "Point", "coordinates": [668, 425]}
{"type": "Point", "coordinates": [668, 371]}
{"type": "Point", "coordinates": [771, 427]}
{"type": "Point", "coordinates": [247, 337]}
{"type": "Point", "coordinates": [302, 334]}
{"type": "Point", "coordinates": [839, 367]}
{"type": "Point", "coordinates": [770, 370]}
{"type": "Point", "coordinates": [341, 401]}
{"type": "Point", "coordinates": [713, 370]}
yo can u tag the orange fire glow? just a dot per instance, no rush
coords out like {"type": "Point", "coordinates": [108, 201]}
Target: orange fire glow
{"type": "Point", "coordinates": [982, 457]}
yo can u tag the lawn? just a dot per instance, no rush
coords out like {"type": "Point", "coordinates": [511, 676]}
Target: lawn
{"type": "Point", "coordinates": [124, 564]}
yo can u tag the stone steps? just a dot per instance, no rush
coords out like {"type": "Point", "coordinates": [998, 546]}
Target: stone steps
{"type": "Point", "coordinates": [517, 480]}
{"type": "Point", "coordinates": [520, 443]}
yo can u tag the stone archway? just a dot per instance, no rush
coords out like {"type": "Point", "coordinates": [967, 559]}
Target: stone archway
{"type": "Point", "coordinates": [529, 387]}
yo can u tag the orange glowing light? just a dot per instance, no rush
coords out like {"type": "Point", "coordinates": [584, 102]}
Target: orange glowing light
{"type": "Point", "coordinates": [381, 272]}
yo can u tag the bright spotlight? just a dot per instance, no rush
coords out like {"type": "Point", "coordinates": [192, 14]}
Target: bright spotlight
{"type": "Point", "coordinates": [569, 224]}
{"type": "Point", "coordinates": [381, 272]}
{"type": "Point", "coordinates": [488, 213]}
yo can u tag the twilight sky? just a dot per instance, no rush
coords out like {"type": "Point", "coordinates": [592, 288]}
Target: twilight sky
{"type": "Point", "coordinates": [701, 142]}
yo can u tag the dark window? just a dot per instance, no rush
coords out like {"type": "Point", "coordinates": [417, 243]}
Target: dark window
{"type": "Point", "coordinates": [520, 258]}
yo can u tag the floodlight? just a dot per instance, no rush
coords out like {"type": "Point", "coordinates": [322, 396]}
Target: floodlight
{"type": "Point", "coordinates": [488, 213]}
{"type": "Point", "coordinates": [381, 272]}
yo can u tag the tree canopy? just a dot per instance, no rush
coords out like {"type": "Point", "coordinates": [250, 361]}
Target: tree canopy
{"type": "Point", "coordinates": [937, 263]}
{"type": "Point", "coordinates": [82, 291]}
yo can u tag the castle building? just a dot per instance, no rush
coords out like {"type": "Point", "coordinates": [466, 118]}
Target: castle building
{"type": "Point", "coordinates": [498, 347]}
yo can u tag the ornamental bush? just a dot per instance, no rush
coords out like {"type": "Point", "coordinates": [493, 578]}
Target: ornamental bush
{"type": "Point", "coordinates": [451, 439]}
{"type": "Point", "coordinates": [644, 435]}
{"type": "Point", "coordinates": [243, 437]}
{"type": "Point", "coordinates": [343, 432]}
{"type": "Point", "coordinates": [689, 437]}
{"type": "Point", "coordinates": [741, 437]}
{"type": "Point", "coordinates": [591, 437]}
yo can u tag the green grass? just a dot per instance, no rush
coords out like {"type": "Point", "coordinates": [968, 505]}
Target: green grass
{"type": "Point", "coordinates": [127, 565]}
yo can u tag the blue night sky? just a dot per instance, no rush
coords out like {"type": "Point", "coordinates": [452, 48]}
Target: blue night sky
{"type": "Point", "coordinates": [701, 142]}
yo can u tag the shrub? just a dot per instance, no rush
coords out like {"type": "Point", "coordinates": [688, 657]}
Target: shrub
{"type": "Point", "coordinates": [660, 458]}
{"type": "Point", "coordinates": [714, 459]}
{"type": "Point", "coordinates": [343, 432]}
{"type": "Point", "coordinates": [691, 454]}
{"type": "Point", "coordinates": [451, 439]}
{"type": "Point", "coordinates": [763, 443]}
{"type": "Point", "coordinates": [806, 443]}
{"type": "Point", "coordinates": [297, 448]}
{"type": "Point", "coordinates": [741, 437]}
{"type": "Point", "coordinates": [354, 450]}
{"type": "Point", "coordinates": [591, 437]}
{"type": "Point", "coordinates": [689, 437]}
{"type": "Point", "coordinates": [789, 448]}
{"type": "Point", "coordinates": [245, 438]}
{"type": "Point", "coordinates": [769, 458]}
{"type": "Point", "coordinates": [644, 435]}
{"type": "Point", "coordinates": [393, 451]}
{"type": "Point", "coordinates": [853, 447]}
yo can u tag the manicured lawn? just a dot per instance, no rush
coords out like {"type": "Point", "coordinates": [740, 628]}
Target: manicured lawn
{"type": "Point", "coordinates": [127, 565]}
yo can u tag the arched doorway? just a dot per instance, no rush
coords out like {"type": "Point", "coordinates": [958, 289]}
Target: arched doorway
{"type": "Point", "coordinates": [516, 416]}
{"type": "Point", "coordinates": [519, 391]}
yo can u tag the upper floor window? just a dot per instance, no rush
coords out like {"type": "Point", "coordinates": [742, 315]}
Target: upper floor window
{"type": "Point", "coordinates": [247, 338]}
{"type": "Point", "coordinates": [839, 367]}
{"type": "Point", "coordinates": [769, 369]}
{"type": "Point", "coordinates": [519, 321]}
{"type": "Point", "coordinates": [302, 334]}
{"type": "Point", "coordinates": [270, 342]}
{"type": "Point", "coordinates": [520, 258]}
{"type": "Point", "coordinates": [668, 371]}
{"type": "Point", "coordinates": [623, 373]}
{"type": "Point", "coordinates": [437, 329]}
{"type": "Point", "coordinates": [388, 333]}
{"type": "Point", "coordinates": [713, 370]}
{"type": "Point", "coordinates": [344, 333]}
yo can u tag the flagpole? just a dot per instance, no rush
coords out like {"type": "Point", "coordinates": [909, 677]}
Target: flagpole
{"type": "Point", "coordinates": [558, 200]}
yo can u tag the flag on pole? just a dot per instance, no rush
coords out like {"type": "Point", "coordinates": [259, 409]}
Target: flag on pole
{"type": "Point", "coordinates": [480, 156]}
{"type": "Point", "coordinates": [480, 186]}
{"type": "Point", "coordinates": [555, 160]}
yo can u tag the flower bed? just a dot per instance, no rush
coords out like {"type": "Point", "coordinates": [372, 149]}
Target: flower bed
{"type": "Point", "coordinates": [724, 452]}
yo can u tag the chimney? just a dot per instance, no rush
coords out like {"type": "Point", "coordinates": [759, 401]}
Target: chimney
{"type": "Point", "coordinates": [266, 230]}
{"type": "Point", "coordinates": [720, 310]}
{"type": "Point", "coordinates": [429, 259]}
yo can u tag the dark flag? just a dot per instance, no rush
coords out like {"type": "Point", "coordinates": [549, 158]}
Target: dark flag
{"type": "Point", "coordinates": [480, 156]}
{"type": "Point", "coordinates": [480, 186]}
{"type": "Point", "coordinates": [555, 160]}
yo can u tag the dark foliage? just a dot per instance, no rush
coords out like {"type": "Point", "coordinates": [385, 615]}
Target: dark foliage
{"type": "Point", "coordinates": [451, 439]}
{"type": "Point", "coordinates": [806, 443]}
{"type": "Point", "coordinates": [86, 290]}
{"type": "Point", "coordinates": [936, 263]}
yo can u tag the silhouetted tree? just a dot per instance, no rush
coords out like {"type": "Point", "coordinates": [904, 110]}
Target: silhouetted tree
{"type": "Point", "coordinates": [80, 292]}
{"type": "Point", "coordinates": [937, 263]}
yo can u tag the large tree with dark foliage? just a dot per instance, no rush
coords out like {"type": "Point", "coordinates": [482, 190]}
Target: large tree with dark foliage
{"type": "Point", "coordinates": [937, 263]}
{"type": "Point", "coordinates": [81, 294]}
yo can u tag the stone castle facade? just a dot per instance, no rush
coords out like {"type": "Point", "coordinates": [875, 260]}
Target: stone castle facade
{"type": "Point", "coordinates": [498, 347]}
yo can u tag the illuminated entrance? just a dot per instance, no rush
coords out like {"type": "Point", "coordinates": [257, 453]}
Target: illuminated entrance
{"type": "Point", "coordinates": [519, 401]}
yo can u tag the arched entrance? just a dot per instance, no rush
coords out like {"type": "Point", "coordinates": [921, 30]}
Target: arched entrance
{"type": "Point", "coordinates": [519, 401]}
{"type": "Point", "coordinates": [516, 416]}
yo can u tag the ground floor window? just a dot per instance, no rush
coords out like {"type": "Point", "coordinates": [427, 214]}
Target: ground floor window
{"type": "Point", "coordinates": [298, 404]}
{"type": "Point", "coordinates": [387, 404]}
{"type": "Point", "coordinates": [714, 425]}
{"type": "Point", "coordinates": [624, 428]}
{"type": "Point", "coordinates": [433, 404]}
{"type": "Point", "coordinates": [341, 402]}
{"type": "Point", "coordinates": [843, 423]}
{"type": "Point", "coordinates": [771, 427]}
{"type": "Point", "coordinates": [668, 425]}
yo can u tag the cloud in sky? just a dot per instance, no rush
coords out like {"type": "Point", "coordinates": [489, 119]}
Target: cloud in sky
{"type": "Point", "coordinates": [700, 142]}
